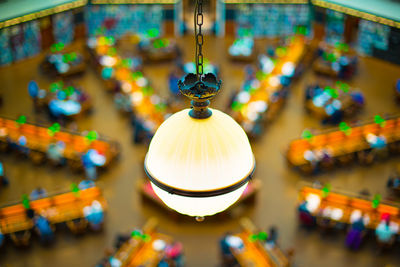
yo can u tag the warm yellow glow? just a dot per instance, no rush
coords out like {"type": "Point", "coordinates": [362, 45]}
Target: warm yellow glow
{"type": "Point", "coordinates": [195, 154]}
{"type": "Point", "coordinates": [203, 206]}
{"type": "Point", "coordinates": [199, 155]}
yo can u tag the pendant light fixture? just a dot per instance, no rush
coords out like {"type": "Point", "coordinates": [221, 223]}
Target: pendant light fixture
{"type": "Point", "coordinates": [200, 160]}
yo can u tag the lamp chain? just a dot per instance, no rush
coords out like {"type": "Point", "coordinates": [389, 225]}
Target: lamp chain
{"type": "Point", "coordinates": [198, 22]}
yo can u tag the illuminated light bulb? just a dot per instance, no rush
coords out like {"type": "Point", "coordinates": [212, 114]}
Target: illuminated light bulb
{"type": "Point", "coordinates": [199, 161]}
{"type": "Point", "coordinates": [204, 155]}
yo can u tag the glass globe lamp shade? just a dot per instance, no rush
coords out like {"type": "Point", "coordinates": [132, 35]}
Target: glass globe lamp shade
{"type": "Point", "coordinates": [199, 167]}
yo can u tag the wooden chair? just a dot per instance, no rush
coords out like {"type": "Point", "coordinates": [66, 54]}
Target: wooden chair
{"type": "Point", "coordinates": [366, 157]}
{"type": "Point", "coordinates": [77, 226]}
{"type": "Point", "coordinates": [21, 239]}
{"type": "Point", "coordinates": [37, 157]}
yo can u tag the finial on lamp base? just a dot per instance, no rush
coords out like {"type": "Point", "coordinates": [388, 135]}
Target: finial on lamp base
{"type": "Point", "coordinates": [200, 92]}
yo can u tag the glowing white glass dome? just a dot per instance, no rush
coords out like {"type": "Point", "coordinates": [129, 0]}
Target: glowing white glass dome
{"type": "Point", "coordinates": [199, 167]}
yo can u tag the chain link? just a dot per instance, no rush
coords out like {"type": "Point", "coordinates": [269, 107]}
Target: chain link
{"type": "Point", "coordinates": [199, 37]}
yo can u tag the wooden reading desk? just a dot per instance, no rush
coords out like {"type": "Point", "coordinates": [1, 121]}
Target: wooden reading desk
{"type": "Point", "coordinates": [257, 254]}
{"type": "Point", "coordinates": [347, 203]}
{"type": "Point", "coordinates": [58, 208]}
{"type": "Point", "coordinates": [139, 252]}
{"type": "Point", "coordinates": [38, 139]}
{"type": "Point", "coordinates": [341, 145]}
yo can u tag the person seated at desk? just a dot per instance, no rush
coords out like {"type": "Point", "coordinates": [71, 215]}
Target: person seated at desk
{"type": "Point", "coordinates": [38, 193]}
{"type": "Point", "coordinates": [105, 261]}
{"type": "Point", "coordinates": [60, 109]}
{"type": "Point", "coordinates": [141, 133]}
{"type": "Point", "coordinates": [376, 141]}
{"type": "Point", "coordinates": [121, 239]}
{"type": "Point", "coordinates": [385, 232]}
{"type": "Point", "coordinates": [1, 239]}
{"type": "Point", "coordinates": [228, 259]}
{"type": "Point", "coordinates": [347, 67]}
{"type": "Point", "coordinates": [397, 89]}
{"type": "Point", "coordinates": [90, 160]}
{"type": "Point", "coordinates": [21, 145]}
{"type": "Point", "coordinates": [42, 226]}
{"type": "Point", "coordinates": [33, 90]}
{"type": "Point", "coordinates": [250, 72]}
{"type": "Point", "coordinates": [174, 252]}
{"type": "Point", "coordinates": [324, 157]}
{"type": "Point", "coordinates": [80, 96]}
{"type": "Point", "coordinates": [393, 181]}
{"type": "Point", "coordinates": [122, 102]}
{"type": "Point", "coordinates": [86, 184]}
{"type": "Point", "coordinates": [102, 263]}
{"type": "Point", "coordinates": [356, 232]}
{"type": "Point", "coordinates": [163, 263]}
{"type": "Point", "coordinates": [272, 237]}
{"type": "Point", "coordinates": [173, 79]}
{"type": "Point", "coordinates": [330, 218]}
{"type": "Point", "coordinates": [378, 144]}
{"type": "Point", "coordinates": [312, 91]}
{"type": "Point", "coordinates": [94, 215]}
{"type": "Point", "coordinates": [358, 98]}
{"type": "Point", "coordinates": [3, 179]}
{"type": "Point", "coordinates": [305, 216]}
{"type": "Point", "coordinates": [113, 262]}
{"type": "Point", "coordinates": [257, 127]}
{"type": "Point", "coordinates": [325, 220]}
{"type": "Point", "coordinates": [55, 153]}
{"type": "Point", "coordinates": [335, 115]}
{"type": "Point", "coordinates": [313, 158]}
